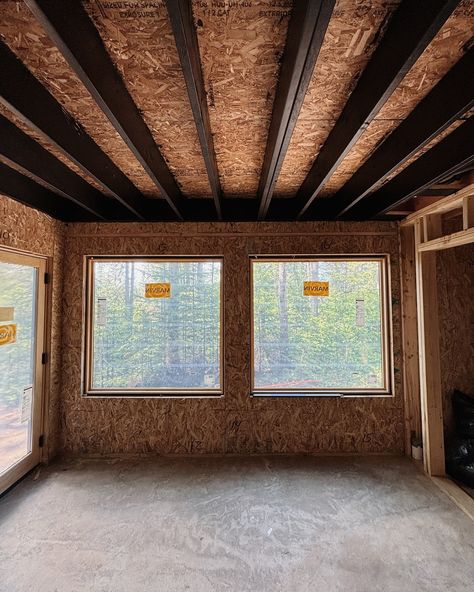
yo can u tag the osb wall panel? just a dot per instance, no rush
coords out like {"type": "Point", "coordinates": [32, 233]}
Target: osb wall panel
{"type": "Point", "coordinates": [455, 273]}
{"type": "Point", "coordinates": [31, 231]}
{"type": "Point", "coordinates": [22, 33]}
{"type": "Point", "coordinates": [139, 38]}
{"type": "Point", "coordinates": [351, 38]}
{"type": "Point", "coordinates": [240, 45]}
{"type": "Point", "coordinates": [235, 423]}
{"type": "Point", "coordinates": [439, 57]}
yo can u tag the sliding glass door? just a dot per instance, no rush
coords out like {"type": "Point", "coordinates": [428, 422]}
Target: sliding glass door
{"type": "Point", "coordinates": [22, 302]}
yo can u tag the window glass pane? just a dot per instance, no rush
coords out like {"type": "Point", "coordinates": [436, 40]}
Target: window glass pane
{"type": "Point", "coordinates": [17, 367]}
{"type": "Point", "coordinates": [327, 336]}
{"type": "Point", "coordinates": [156, 325]}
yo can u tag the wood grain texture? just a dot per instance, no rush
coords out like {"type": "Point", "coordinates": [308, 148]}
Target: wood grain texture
{"type": "Point", "coordinates": [442, 53]}
{"type": "Point", "coordinates": [31, 231]}
{"type": "Point", "coordinates": [235, 423]}
{"type": "Point", "coordinates": [411, 371]}
{"type": "Point", "coordinates": [455, 271]}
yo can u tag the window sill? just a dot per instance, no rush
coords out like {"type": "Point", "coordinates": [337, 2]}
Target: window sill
{"type": "Point", "coordinates": [319, 394]}
{"type": "Point", "coordinates": [152, 395]}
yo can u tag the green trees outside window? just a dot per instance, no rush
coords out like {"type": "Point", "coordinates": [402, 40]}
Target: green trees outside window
{"type": "Point", "coordinates": [333, 342]}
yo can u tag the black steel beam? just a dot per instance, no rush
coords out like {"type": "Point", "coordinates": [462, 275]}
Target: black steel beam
{"type": "Point", "coordinates": [25, 96]}
{"type": "Point", "coordinates": [446, 158]}
{"type": "Point", "coordinates": [446, 102]}
{"type": "Point", "coordinates": [22, 150]}
{"type": "Point", "coordinates": [182, 22]}
{"type": "Point", "coordinates": [410, 29]}
{"type": "Point", "coordinates": [26, 191]}
{"type": "Point", "coordinates": [306, 30]}
{"type": "Point", "coordinates": [77, 38]}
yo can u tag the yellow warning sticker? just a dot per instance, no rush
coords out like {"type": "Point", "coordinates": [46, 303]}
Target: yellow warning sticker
{"type": "Point", "coordinates": [7, 334]}
{"type": "Point", "coordinates": [316, 289]}
{"type": "Point", "coordinates": [158, 290]}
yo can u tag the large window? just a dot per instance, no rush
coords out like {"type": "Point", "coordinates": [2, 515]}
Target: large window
{"type": "Point", "coordinates": [154, 326]}
{"type": "Point", "coordinates": [320, 325]}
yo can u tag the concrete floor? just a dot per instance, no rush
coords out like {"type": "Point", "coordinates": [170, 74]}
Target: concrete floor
{"type": "Point", "coordinates": [234, 524]}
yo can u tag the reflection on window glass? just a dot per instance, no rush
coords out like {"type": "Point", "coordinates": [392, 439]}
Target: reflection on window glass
{"type": "Point", "coordinates": [156, 325]}
{"type": "Point", "coordinates": [318, 325]}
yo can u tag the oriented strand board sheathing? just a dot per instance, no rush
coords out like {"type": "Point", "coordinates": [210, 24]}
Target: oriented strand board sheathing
{"type": "Point", "coordinates": [439, 57]}
{"type": "Point", "coordinates": [455, 276]}
{"type": "Point", "coordinates": [140, 40]}
{"type": "Point", "coordinates": [28, 230]}
{"type": "Point", "coordinates": [22, 33]}
{"type": "Point", "coordinates": [241, 44]}
{"type": "Point", "coordinates": [51, 148]}
{"type": "Point", "coordinates": [352, 35]}
{"type": "Point", "coordinates": [235, 423]}
{"type": "Point", "coordinates": [339, 178]}
{"type": "Point", "coordinates": [425, 148]}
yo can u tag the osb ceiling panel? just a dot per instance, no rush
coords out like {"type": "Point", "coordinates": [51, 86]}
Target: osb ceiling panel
{"type": "Point", "coordinates": [241, 44]}
{"type": "Point", "coordinates": [351, 37]}
{"type": "Point", "coordinates": [51, 148]}
{"type": "Point", "coordinates": [142, 46]}
{"type": "Point", "coordinates": [421, 151]}
{"type": "Point", "coordinates": [29, 41]}
{"type": "Point", "coordinates": [438, 58]}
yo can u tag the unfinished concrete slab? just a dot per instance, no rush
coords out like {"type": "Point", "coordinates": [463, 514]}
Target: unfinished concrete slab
{"type": "Point", "coordinates": [233, 524]}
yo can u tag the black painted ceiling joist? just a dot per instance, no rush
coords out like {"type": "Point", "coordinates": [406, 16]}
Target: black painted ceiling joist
{"type": "Point", "coordinates": [75, 35]}
{"type": "Point", "coordinates": [28, 192]}
{"type": "Point", "coordinates": [22, 150]}
{"type": "Point", "coordinates": [410, 29]}
{"type": "Point", "coordinates": [181, 17]}
{"type": "Point", "coordinates": [446, 102]}
{"type": "Point", "coordinates": [306, 30]}
{"type": "Point", "coordinates": [451, 155]}
{"type": "Point", "coordinates": [25, 96]}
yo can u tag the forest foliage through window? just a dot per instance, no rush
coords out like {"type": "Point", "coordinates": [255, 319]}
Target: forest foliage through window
{"type": "Point", "coordinates": [156, 325]}
{"type": "Point", "coordinates": [318, 325]}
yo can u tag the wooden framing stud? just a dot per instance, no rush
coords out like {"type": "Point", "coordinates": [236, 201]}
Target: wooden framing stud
{"type": "Point", "coordinates": [468, 212]}
{"type": "Point", "coordinates": [432, 227]}
{"type": "Point", "coordinates": [411, 376]}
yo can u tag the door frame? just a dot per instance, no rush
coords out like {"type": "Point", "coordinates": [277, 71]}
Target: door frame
{"type": "Point", "coordinates": [32, 459]}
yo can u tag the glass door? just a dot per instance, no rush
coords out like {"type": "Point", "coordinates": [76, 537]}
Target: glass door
{"type": "Point", "coordinates": [22, 301]}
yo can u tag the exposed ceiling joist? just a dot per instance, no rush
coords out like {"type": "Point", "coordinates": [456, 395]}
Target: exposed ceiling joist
{"type": "Point", "coordinates": [23, 94]}
{"type": "Point", "coordinates": [410, 29]}
{"type": "Point", "coordinates": [451, 155]}
{"type": "Point", "coordinates": [30, 193]}
{"type": "Point", "coordinates": [306, 30]}
{"type": "Point", "coordinates": [182, 22]}
{"type": "Point", "coordinates": [445, 103]}
{"type": "Point", "coordinates": [20, 149]}
{"type": "Point", "coordinates": [75, 35]}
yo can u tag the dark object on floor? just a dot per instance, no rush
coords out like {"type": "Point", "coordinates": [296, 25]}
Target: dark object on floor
{"type": "Point", "coordinates": [463, 407]}
{"type": "Point", "coordinates": [460, 447]}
